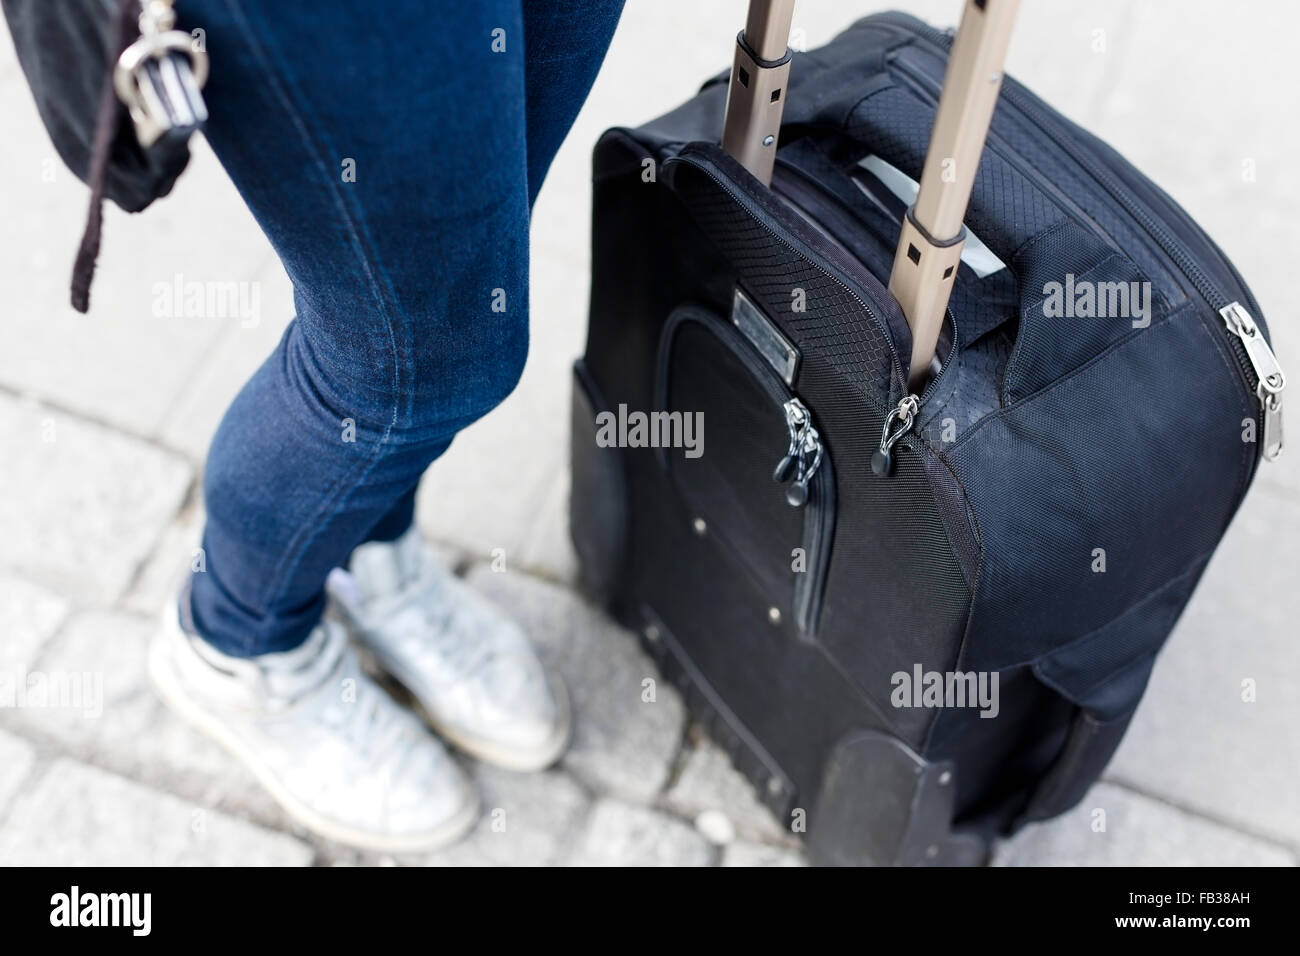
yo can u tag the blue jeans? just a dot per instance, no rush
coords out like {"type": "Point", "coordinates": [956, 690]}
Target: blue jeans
{"type": "Point", "coordinates": [391, 152]}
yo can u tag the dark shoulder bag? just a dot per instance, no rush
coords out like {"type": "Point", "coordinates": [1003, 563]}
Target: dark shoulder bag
{"type": "Point", "coordinates": [118, 91]}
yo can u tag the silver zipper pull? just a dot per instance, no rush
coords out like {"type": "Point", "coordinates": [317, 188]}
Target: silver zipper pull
{"type": "Point", "coordinates": [897, 424]}
{"type": "Point", "coordinates": [1272, 380]}
{"type": "Point", "coordinates": [796, 416]}
{"type": "Point", "coordinates": [810, 459]}
{"type": "Point", "coordinates": [804, 455]}
{"type": "Point", "coordinates": [1272, 424]}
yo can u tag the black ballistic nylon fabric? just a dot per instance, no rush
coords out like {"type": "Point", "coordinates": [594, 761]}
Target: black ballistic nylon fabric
{"type": "Point", "coordinates": [1005, 208]}
{"type": "Point", "coordinates": [765, 674]}
{"type": "Point", "coordinates": [730, 485]}
{"type": "Point", "coordinates": [835, 322]}
{"type": "Point", "coordinates": [1114, 463]}
{"type": "Point", "coordinates": [898, 596]}
{"type": "Point", "coordinates": [1048, 518]}
{"type": "Point", "coordinates": [1097, 207]}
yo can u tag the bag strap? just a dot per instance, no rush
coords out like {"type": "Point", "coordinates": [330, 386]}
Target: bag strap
{"type": "Point", "coordinates": [157, 73]}
{"type": "Point", "coordinates": [101, 146]}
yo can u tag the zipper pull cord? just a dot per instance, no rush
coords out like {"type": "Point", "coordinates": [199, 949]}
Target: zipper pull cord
{"type": "Point", "coordinates": [897, 424]}
{"type": "Point", "coordinates": [811, 446]}
{"type": "Point", "coordinates": [784, 468]}
{"type": "Point", "coordinates": [803, 457]}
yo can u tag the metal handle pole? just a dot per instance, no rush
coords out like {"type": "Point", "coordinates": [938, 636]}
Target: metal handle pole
{"type": "Point", "coordinates": [930, 244]}
{"type": "Point", "coordinates": [756, 93]}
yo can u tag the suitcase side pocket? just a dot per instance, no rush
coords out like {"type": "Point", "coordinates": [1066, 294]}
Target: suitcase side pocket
{"type": "Point", "coordinates": [763, 484]}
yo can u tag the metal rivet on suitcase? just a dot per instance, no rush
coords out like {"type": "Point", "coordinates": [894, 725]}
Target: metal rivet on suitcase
{"type": "Point", "coordinates": [774, 615]}
{"type": "Point", "coordinates": [700, 526]}
{"type": "Point", "coordinates": [651, 633]}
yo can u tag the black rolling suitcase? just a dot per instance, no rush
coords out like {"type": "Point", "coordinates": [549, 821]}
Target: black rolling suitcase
{"type": "Point", "coordinates": [916, 600]}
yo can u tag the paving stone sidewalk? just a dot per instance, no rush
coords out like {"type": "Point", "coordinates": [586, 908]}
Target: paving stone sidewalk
{"type": "Point", "coordinates": [104, 421]}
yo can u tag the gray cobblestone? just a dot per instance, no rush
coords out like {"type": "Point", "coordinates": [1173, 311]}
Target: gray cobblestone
{"type": "Point", "coordinates": [1138, 831]}
{"type": "Point", "coordinates": [620, 834]}
{"type": "Point", "coordinates": [165, 569]}
{"type": "Point", "coordinates": [86, 816]}
{"type": "Point", "coordinates": [80, 506]}
{"type": "Point", "coordinates": [28, 616]}
{"type": "Point", "coordinates": [759, 854]}
{"type": "Point", "coordinates": [528, 820]}
{"type": "Point", "coordinates": [17, 757]}
{"type": "Point", "coordinates": [135, 734]}
{"type": "Point", "coordinates": [707, 781]}
{"type": "Point", "coordinates": [622, 744]}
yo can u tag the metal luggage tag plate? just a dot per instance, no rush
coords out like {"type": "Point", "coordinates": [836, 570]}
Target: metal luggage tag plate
{"type": "Point", "coordinates": [763, 334]}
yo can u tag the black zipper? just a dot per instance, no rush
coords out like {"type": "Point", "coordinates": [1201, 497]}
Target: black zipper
{"type": "Point", "coordinates": [832, 213]}
{"type": "Point", "coordinates": [746, 204]}
{"type": "Point", "coordinates": [914, 442]}
{"type": "Point", "coordinates": [1204, 284]}
{"type": "Point", "coordinates": [909, 440]}
{"type": "Point", "coordinates": [882, 459]}
{"type": "Point", "coordinates": [845, 221]}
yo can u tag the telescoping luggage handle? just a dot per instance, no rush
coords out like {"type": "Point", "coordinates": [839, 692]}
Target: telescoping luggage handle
{"type": "Point", "coordinates": [930, 243]}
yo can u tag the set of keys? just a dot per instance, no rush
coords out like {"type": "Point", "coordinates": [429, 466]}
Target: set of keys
{"type": "Point", "coordinates": [160, 77]}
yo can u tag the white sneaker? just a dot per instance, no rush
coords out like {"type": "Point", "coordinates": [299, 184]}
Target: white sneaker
{"type": "Point", "coordinates": [340, 755]}
{"type": "Point", "coordinates": [471, 668]}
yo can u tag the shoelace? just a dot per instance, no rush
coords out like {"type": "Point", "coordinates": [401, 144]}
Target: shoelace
{"type": "Point", "coordinates": [375, 729]}
{"type": "Point", "coordinates": [428, 630]}
{"type": "Point", "coordinates": [430, 634]}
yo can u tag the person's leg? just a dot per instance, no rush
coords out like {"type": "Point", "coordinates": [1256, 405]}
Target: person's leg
{"type": "Point", "coordinates": [384, 156]}
{"type": "Point", "coordinates": [478, 680]}
{"type": "Point", "coordinates": [383, 153]}
{"type": "Point", "coordinates": [564, 45]}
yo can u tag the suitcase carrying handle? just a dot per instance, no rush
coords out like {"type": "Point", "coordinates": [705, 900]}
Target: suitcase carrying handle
{"type": "Point", "coordinates": [932, 235]}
